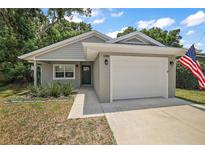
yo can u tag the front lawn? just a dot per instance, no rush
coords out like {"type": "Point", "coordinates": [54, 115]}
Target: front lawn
{"type": "Point", "coordinates": [46, 123]}
{"type": "Point", "coordinates": [11, 90]}
{"type": "Point", "coordinates": [195, 96]}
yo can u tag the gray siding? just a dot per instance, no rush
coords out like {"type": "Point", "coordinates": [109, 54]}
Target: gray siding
{"type": "Point", "coordinates": [135, 39]}
{"type": "Point", "coordinates": [47, 74]}
{"type": "Point", "coordinates": [71, 51]}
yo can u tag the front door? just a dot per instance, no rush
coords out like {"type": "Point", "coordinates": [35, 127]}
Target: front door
{"type": "Point", "coordinates": [86, 74]}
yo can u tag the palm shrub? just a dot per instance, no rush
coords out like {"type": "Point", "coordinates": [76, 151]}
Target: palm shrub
{"type": "Point", "coordinates": [54, 89]}
{"type": "Point", "coordinates": [67, 89]}
{"type": "Point", "coordinates": [38, 91]}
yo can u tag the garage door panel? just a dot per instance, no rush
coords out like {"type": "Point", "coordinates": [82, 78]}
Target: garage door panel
{"type": "Point", "coordinates": [138, 77]}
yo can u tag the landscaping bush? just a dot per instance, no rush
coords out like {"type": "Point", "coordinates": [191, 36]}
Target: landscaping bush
{"type": "Point", "coordinates": [67, 89]}
{"type": "Point", "coordinates": [184, 78]}
{"type": "Point", "coordinates": [38, 91]}
{"type": "Point", "coordinates": [54, 89]}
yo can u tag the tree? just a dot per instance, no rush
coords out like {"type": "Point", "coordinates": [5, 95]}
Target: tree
{"type": "Point", "coordinates": [25, 30]}
{"type": "Point", "coordinates": [127, 31]}
{"type": "Point", "coordinates": [168, 38]}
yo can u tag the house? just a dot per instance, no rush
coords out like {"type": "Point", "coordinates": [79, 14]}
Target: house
{"type": "Point", "coordinates": [127, 67]}
{"type": "Point", "coordinates": [201, 58]}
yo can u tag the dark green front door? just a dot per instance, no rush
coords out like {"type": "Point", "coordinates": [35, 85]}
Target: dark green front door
{"type": "Point", "coordinates": [86, 74]}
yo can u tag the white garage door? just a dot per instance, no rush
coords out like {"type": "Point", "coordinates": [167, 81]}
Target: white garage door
{"type": "Point", "coordinates": [138, 77]}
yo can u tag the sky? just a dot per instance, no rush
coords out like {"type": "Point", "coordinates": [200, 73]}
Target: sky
{"type": "Point", "coordinates": [111, 21]}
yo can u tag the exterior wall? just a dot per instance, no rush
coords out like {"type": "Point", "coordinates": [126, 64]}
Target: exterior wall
{"type": "Point", "coordinates": [47, 74]}
{"type": "Point", "coordinates": [71, 51]}
{"type": "Point", "coordinates": [104, 78]}
{"type": "Point", "coordinates": [101, 78]}
{"type": "Point", "coordinates": [102, 83]}
{"type": "Point", "coordinates": [171, 77]}
{"type": "Point", "coordinates": [96, 75]}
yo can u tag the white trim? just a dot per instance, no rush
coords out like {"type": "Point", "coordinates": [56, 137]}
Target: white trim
{"type": "Point", "coordinates": [136, 33]}
{"type": "Point", "coordinates": [92, 49]}
{"type": "Point", "coordinates": [41, 74]}
{"type": "Point", "coordinates": [64, 43]}
{"type": "Point", "coordinates": [35, 72]}
{"type": "Point", "coordinates": [111, 97]}
{"type": "Point", "coordinates": [167, 78]}
{"type": "Point", "coordinates": [65, 78]}
{"type": "Point", "coordinates": [61, 59]}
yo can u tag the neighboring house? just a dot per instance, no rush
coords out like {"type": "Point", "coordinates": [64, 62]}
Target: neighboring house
{"type": "Point", "coordinates": [201, 59]}
{"type": "Point", "coordinates": [131, 66]}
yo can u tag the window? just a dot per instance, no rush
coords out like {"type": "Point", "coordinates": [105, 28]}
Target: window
{"type": "Point", "coordinates": [63, 71]}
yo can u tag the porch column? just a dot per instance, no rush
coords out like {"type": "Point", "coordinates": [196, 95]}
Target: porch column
{"type": "Point", "coordinates": [35, 73]}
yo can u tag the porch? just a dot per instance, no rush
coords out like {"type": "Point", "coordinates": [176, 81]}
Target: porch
{"type": "Point", "coordinates": [79, 73]}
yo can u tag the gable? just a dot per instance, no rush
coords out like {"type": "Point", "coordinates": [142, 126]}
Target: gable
{"type": "Point", "coordinates": [136, 38]}
{"type": "Point", "coordinates": [72, 51]}
{"type": "Point", "coordinates": [92, 36]}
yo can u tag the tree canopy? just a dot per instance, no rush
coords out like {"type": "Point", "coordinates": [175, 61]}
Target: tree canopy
{"type": "Point", "coordinates": [169, 38]}
{"type": "Point", "coordinates": [127, 31]}
{"type": "Point", "coordinates": [25, 30]}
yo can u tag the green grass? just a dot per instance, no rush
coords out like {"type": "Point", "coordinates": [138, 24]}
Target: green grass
{"type": "Point", "coordinates": [194, 96]}
{"type": "Point", "coordinates": [46, 123]}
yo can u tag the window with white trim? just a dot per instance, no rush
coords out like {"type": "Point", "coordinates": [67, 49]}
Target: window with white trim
{"type": "Point", "coordinates": [63, 71]}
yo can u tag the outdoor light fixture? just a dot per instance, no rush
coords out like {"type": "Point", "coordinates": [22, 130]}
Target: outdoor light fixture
{"type": "Point", "coordinates": [171, 63]}
{"type": "Point", "coordinates": [106, 62]}
{"type": "Point", "coordinates": [76, 65]}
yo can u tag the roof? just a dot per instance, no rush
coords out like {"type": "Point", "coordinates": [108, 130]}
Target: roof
{"type": "Point", "coordinates": [109, 45]}
{"type": "Point", "coordinates": [201, 55]}
{"type": "Point", "coordinates": [64, 43]}
{"type": "Point", "coordinates": [133, 34]}
{"type": "Point", "coordinates": [92, 49]}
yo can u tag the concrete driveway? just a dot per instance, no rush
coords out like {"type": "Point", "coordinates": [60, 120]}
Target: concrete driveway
{"type": "Point", "coordinates": [156, 121]}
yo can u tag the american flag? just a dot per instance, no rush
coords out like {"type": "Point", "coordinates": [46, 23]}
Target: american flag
{"type": "Point", "coordinates": [189, 61]}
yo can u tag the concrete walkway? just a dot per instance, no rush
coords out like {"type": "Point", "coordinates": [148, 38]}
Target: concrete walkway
{"type": "Point", "coordinates": [156, 121]}
{"type": "Point", "coordinates": [85, 105]}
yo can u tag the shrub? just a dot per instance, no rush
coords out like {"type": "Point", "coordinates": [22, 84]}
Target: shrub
{"type": "Point", "coordinates": [67, 89]}
{"type": "Point", "coordinates": [38, 91]}
{"type": "Point", "coordinates": [54, 89]}
{"type": "Point", "coordinates": [184, 78]}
